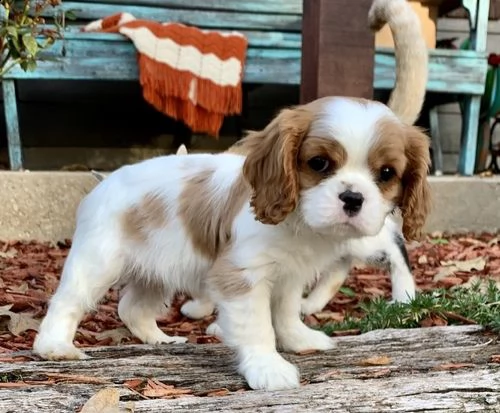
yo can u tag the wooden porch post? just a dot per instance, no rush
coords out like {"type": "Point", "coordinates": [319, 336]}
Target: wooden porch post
{"type": "Point", "coordinates": [337, 49]}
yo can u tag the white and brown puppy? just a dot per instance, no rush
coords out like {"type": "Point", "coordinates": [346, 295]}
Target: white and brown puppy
{"type": "Point", "coordinates": [387, 248]}
{"type": "Point", "coordinates": [253, 231]}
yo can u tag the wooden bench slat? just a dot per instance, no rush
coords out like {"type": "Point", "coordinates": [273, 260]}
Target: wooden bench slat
{"type": "Point", "coordinates": [91, 56]}
{"type": "Point", "coordinates": [263, 66]}
{"type": "Point", "coordinates": [450, 71]}
{"type": "Point", "coordinates": [253, 6]}
{"type": "Point", "coordinates": [272, 39]}
{"type": "Point", "coordinates": [203, 19]}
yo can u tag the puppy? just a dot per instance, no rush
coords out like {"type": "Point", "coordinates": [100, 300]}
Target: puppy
{"type": "Point", "coordinates": [252, 231]}
{"type": "Point", "coordinates": [386, 249]}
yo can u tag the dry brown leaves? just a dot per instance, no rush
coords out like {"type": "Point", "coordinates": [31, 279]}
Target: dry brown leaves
{"type": "Point", "coordinates": [30, 273]}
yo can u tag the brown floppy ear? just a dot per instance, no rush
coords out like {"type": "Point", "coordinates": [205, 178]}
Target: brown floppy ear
{"type": "Point", "coordinates": [271, 165]}
{"type": "Point", "coordinates": [416, 200]}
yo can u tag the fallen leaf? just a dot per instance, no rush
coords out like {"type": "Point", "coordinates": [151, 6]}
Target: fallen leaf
{"type": "Point", "coordinates": [329, 315]}
{"type": "Point", "coordinates": [76, 378]}
{"type": "Point", "coordinates": [375, 361]}
{"type": "Point", "coordinates": [10, 253]}
{"type": "Point", "coordinates": [450, 281]}
{"type": "Point", "coordinates": [133, 384]}
{"type": "Point", "coordinates": [307, 352]}
{"type": "Point", "coordinates": [218, 393]}
{"type": "Point", "coordinates": [375, 291]}
{"type": "Point", "coordinates": [21, 288]}
{"type": "Point", "coordinates": [481, 282]}
{"type": "Point", "coordinates": [451, 267]}
{"type": "Point", "coordinates": [117, 335]}
{"type": "Point", "coordinates": [495, 358]}
{"type": "Point", "coordinates": [156, 388]}
{"type": "Point", "coordinates": [17, 322]}
{"type": "Point", "coordinates": [352, 332]}
{"type": "Point", "coordinates": [433, 320]}
{"type": "Point", "coordinates": [311, 320]}
{"type": "Point", "coordinates": [422, 259]}
{"type": "Point", "coordinates": [104, 401]}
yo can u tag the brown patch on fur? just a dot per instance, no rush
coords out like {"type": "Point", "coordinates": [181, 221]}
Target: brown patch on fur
{"type": "Point", "coordinates": [389, 151]}
{"type": "Point", "coordinates": [416, 201]}
{"type": "Point", "coordinates": [227, 279]}
{"type": "Point", "coordinates": [271, 164]}
{"type": "Point", "coordinates": [406, 149]}
{"type": "Point", "coordinates": [326, 148]}
{"type": "Point", "coordinates": [150, 213]}
{"type": "Point", "coordinates": [209, 220]}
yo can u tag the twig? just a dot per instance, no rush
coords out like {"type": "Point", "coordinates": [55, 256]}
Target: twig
{"type": "Point", "coordinates": [458, 317]}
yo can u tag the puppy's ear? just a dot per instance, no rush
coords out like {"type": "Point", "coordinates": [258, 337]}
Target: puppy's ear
{"type": "Point", "coordinates": [271, 164]}
{"type": "Point", "coordinates": [416, 200]}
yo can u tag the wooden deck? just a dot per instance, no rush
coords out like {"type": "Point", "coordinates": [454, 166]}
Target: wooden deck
{"type": "Point", "coordinates": [439, 369]}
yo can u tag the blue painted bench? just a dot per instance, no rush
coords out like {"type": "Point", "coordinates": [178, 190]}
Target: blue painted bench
{"type": "Point", "coordinates": [274, 56]}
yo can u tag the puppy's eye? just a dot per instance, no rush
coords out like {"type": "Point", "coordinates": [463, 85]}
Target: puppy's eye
{"type": "Point", "coordinates": [386, 173]}
{"type": "Point", "coordinates": [319, 164]}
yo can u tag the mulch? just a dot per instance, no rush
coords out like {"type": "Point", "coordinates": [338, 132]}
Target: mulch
{"type": "Point", "coordinates": [30, 273]}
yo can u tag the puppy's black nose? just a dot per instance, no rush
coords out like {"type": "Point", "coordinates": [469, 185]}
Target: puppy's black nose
{"type": "Point", "coordinates": [352, 202]}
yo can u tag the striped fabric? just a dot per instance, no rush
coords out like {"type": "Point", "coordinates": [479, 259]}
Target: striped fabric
{"type": "Point", "coordinates": [189, 74]}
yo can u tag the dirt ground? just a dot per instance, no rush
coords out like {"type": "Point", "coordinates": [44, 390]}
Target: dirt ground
{"type": "Point", "coordinates": [30, 272]}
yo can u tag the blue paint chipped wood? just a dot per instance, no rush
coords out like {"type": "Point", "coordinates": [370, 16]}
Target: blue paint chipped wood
{"type": "Point", "coordinates": [274, 56]}
{"type": "Point", "coordinates": [12, 123]}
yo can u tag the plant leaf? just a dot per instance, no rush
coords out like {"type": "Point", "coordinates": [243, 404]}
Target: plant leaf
{"type": "Point", "coordinates": [347, 291]}
{"type": "Point", "coordinates": [30, 44]}
{"type": "Point", "coordinates": [31, 66]}
{"type": "Point", "coordinates": [12, 30]}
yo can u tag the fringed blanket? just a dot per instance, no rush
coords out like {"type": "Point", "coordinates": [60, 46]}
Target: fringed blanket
{"type": "Point", "coordinates": [189, 74]}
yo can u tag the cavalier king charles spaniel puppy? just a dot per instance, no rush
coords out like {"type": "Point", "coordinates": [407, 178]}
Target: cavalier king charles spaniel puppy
{"type": "Point", "coordinates": [251, 230]}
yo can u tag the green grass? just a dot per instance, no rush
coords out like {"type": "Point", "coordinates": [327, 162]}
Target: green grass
{"type": "Point", "coordinates": [459, 305]}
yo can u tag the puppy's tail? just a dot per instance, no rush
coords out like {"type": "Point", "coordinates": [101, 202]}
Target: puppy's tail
{"type": "Point", "coordinates": [411, 52]}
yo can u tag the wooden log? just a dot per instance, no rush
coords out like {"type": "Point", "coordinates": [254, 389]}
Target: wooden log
{"type": "Point", "coordinates": [444, 369]}
{"type": "Point", "coordinates": [337, 49]}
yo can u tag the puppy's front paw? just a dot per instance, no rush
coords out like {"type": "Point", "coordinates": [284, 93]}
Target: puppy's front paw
{"type": "Point", "coordinates": [403, 297]}
{"type": "Point", "coordinates": [269, 372]}
{"type": "Point", "coordinates": [53, 350]}
{"type": "Point", "coordinates": [302, 338]}
{"type": "Point", "coordinates": [309, 306]}
{"type": "Point", "coordinates": [161, 338]}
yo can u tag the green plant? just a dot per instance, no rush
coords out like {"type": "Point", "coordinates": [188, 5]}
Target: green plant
{"type": "Point", "coordinates": [23, 35]}
{"type": "Point", "coordinates": [478, 304]}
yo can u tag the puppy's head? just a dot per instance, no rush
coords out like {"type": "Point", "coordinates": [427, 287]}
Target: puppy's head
{"type": "Point", "coordinates": [342, 164]}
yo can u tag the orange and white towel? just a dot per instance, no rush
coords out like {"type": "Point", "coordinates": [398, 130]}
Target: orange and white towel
{"type": "Point", "coordinates": [189, 74]}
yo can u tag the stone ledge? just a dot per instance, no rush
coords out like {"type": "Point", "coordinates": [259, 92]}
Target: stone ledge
{"type": "Point", "coordinates": [42, 205]}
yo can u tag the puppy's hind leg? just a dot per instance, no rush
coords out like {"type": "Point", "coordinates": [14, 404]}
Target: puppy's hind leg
{"type": "Point", "coordinates": [138, 309]}
{"type": "Point", "coordinates": [325, 289]}
{"type": "Point", "coordinates": [90, 270]}
{"type": "Point", "coordinates": [198, 307]}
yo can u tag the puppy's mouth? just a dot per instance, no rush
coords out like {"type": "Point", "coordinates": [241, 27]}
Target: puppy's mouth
{"type": "Point", "coordinates": [347, 229]}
